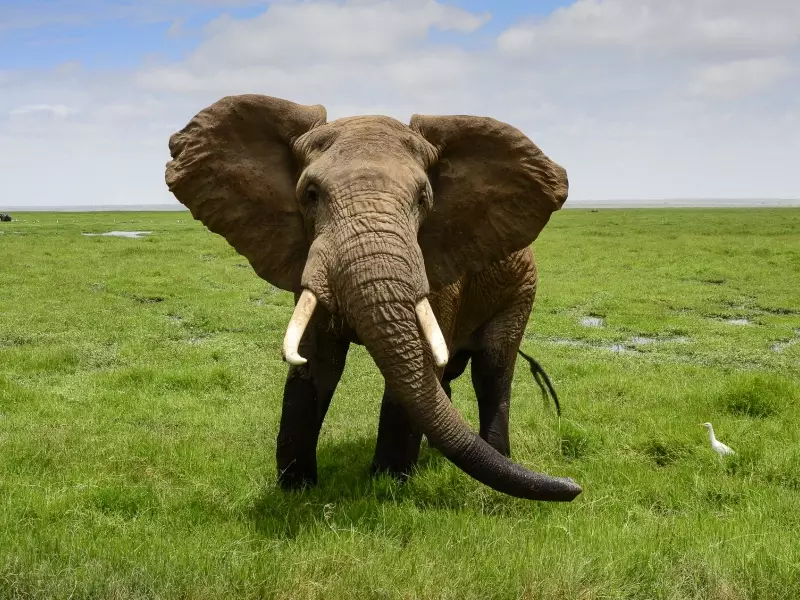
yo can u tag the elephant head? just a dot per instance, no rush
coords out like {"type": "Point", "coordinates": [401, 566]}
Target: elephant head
{"type": "Point", "coordinates": [366, 215]}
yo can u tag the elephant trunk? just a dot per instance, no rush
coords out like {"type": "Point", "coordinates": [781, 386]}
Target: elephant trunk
{"type": "Point", "coordinates": [381, 303]}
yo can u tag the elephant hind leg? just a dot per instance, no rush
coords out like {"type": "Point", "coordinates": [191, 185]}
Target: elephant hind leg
{"type": "Point", "coordinates": [454, 369]}
{"type": "Point", "coordinates": [493, 363]}
{"type": "Point", "coordinates": [492, 375]}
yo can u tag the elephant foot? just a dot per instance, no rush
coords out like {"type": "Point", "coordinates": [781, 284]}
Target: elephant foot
{"type": "Point", "coordinates": [291, 480]}
{"type": "Point", "coordinates": [296, 471]}
{"type": "Point", "coordinates": [398, 443]}
{"type": "Point", "coordinates": [396, 471]}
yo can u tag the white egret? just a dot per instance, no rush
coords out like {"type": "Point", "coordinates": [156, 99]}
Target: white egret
{"type": "Point", "coordinates": [716, 445]}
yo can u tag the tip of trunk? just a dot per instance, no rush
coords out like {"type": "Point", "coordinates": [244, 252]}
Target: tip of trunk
{"type": "Point", "coordinates": [564, 489]}
{"type": "Point", "coordinates": [482, 462]}
{"type": "Point", "coordinates": [390, 333]}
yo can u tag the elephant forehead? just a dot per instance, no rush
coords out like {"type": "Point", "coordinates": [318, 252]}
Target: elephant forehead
{"type": "Point", "coordinates": [375, 136]}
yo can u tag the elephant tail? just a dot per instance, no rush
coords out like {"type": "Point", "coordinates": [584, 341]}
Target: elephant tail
{"type": "Point", "coordinates": [542, 380]}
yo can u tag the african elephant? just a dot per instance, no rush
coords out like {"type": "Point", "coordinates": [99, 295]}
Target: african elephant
{"type": "Point", "coordinates": [413, 240]}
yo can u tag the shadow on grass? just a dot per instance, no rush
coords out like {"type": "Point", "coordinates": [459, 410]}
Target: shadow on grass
{"type": "Point", "coordinates": [348, 496]}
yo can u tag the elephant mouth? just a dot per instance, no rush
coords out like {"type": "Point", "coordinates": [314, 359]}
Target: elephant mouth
{"type": "Point", "coordinates": [304, 310]}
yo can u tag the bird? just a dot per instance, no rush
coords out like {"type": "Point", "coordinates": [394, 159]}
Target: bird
{"type": "Point", "coordinates": [716, 445]}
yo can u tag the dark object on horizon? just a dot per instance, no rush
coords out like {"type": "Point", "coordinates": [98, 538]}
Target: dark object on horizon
{"type": "Point", "coordinates": [542, 380]}
{"type": "Point", "coordinates": [5, 217]}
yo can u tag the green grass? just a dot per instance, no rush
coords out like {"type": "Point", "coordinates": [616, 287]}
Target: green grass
{"type": "Point", "coordinates": [140, 393]}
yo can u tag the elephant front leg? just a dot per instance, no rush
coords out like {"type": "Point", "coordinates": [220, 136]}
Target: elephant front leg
{"type": "Point", "coordinates": [397, 447]}
{"type": "Point", "coordinates": [306, 397]}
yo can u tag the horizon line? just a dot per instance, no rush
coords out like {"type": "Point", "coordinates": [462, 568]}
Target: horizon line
{"type": "Point", "coordinates": [582, 203]}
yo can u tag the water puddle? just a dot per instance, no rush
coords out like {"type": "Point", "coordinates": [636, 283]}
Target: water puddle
{"type": "Point", "coordinates": [644, 341]}
{"type": "Point", "coordinates": [122, 234]}
{"type": "Point", "coordinates": [739, 322]}
{"type": "Point", "coordinates": [592, 322]}
{"type": "Point", "coordinates": [629, 346]}
{"type": "Point", "coordinates": [617, 348]}
{"type": "Point", "coordinates": [781, 346]}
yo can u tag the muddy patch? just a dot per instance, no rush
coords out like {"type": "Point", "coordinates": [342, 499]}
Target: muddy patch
{"type": "Point", "coordinates": [779, 310]}
{"type": "Point", "coordinates": [568, 342]}
{"type": "Point", "coordinates": [147, 299]}
{"type": "Point", "coordinates": [122, 234]}
{"type": "Point", "coordinates": [14, 340]}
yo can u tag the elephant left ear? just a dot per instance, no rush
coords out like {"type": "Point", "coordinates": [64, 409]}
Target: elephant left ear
{"type": "Point", "coordinates": [493, 192]}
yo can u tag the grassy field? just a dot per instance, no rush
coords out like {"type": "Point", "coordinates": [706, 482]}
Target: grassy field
{"type": "Point", "coordinates": [140, 392]}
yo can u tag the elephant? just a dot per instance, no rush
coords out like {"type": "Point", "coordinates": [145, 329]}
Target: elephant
{"type": "Point", "coordinates": [4, 217]}
{"type": "Point", "coordinates": [411, 240]}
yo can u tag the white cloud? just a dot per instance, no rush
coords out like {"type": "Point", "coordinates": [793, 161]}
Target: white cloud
{"type": "Point", "coordinates": [288, 35]}
{"type": "Point", "coordinates": [680, 26]}
{"type": "Point", "coordinates": [740, 77]}
{"type": "Point", "coordinates": [55, 110]}
{"type": "Point", "coordinates": [637, 98]}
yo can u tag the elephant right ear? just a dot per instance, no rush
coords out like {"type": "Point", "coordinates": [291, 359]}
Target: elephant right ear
{"type": "Point", "coordinates": [233, 166]}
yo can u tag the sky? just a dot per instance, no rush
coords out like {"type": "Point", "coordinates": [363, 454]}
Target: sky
{"type": "Point", "coordinates": [637, 99]}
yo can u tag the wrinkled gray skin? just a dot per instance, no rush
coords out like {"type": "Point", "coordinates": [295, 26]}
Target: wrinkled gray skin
{"type": "Point", "coordinates": [372, 216]}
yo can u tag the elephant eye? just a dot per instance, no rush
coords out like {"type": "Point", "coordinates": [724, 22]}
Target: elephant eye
{"type": "Point", "coordinates": [311, 194]}
{"type": "Point", "coordinates": [424, 197]}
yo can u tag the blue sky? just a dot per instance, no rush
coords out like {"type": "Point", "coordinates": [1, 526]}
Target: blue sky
{"type": "Point", "coordinates": [54, 31]}
{"type": "Point", "coordinates": [638, 99]}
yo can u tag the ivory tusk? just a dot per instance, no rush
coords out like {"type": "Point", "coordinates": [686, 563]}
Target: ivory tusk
{"type": "Point", "coordinates": [432, 333]}
{"type": "Point", "coordinates": [297, 325]}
